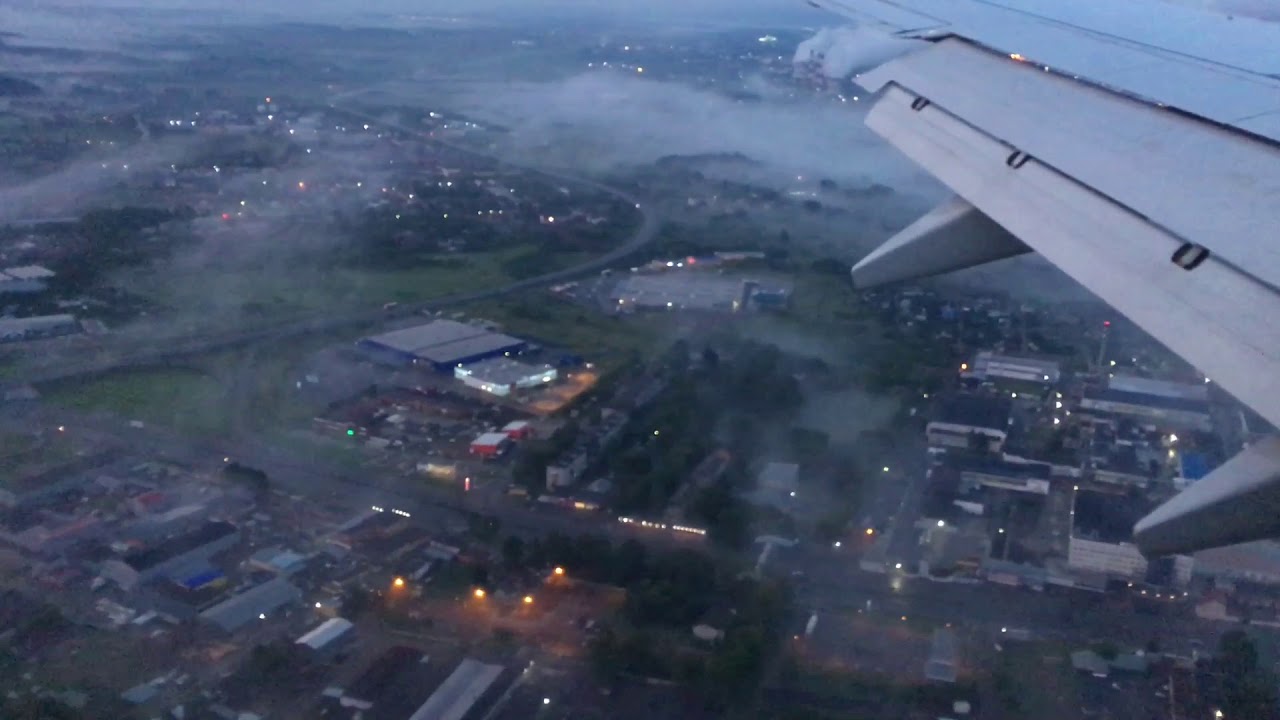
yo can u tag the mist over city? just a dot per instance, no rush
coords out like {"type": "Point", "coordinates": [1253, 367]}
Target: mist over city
{"type": "Point", "coordinates": [410, 359]}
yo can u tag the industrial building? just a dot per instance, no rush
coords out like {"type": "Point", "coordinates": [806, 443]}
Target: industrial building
{"type": "Point", "coordinates": [678, 291]}
{"type": "Point", "coordinates": [501, 375]}
{"type": "Point", "coordinates": [1158, 410]}
{"type": "Point", "coordinates": [252, 605]}
{"type": "Point", "coordinates": [399, 666]}
{"type": "Point", "coordinates": [776, 485]}
{"type": "Point", "coordinates": [327, 636]}
{"type": "Point", "coordinates": [25, 279]}
{"type": "Point", "coordinates": [1161, 388]}
{"type": "Point", "coordinates": [1028, 477]}
{"type": "Point", "coordinates": [943, 657]}
{"type": "Point", "coordinates": [490, 444]}
{"type": "Point", "coordinates": [962, 418]}
{"type": "Point", "coordinates": [459, 694]}
{"type": "Point", "coordinates": [42, 326]}
{"type": "Point", "coordinates": [176, 553]}
{"type": "Point", "coordinates": [278, 560]}
{"type": "Point", "coordinates": [518, 429]}
{"type": "Point", "coordinates": [1102, 539]}
{"type": "Point", "coordinates": [989, 367]}
{"type": "Point", "coordinates": [688, 290]}
{"type": "Point", "coordinates": [440, 344]}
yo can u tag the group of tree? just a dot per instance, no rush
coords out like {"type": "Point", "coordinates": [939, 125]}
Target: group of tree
{"type": "Point", "coordinates": [727, 674]}
{"type": "Point", "coordinates": [529, 467]}
{"type": "Point", "coordinates": [108, 238]}
{"type": "Point", "coordinates": [665, 440]}
{"type": "Point", "coordinates": [250, 477]}
{"type": "Point", "coordinates": [1248, 688]}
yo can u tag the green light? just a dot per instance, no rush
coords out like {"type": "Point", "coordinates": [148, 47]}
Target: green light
{"type": "Point", "coordinates": [350, 431]}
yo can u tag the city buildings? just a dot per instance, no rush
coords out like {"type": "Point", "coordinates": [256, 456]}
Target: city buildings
{"type": "Point", "coordinates": [990, 367]}
{"type": "Point", "coordinates": [963, 420]}
{"type": "Point", "coordinates": [173, 554]}
{"type": "Point", "coordinates": [1158, 410]}
{"type": "Point", "coordinates": [1027, 477]}
{"type": "Point", "coordinates": [1102, 534]}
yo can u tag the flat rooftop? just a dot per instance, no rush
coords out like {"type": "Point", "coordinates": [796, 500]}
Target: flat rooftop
{"type": "Point", "coordinates": [1107, 517]}
{"type": "Point", "coordinates": [173, 547]}
{"type": "Point", "coordinates": [981, 411]}
{"type": "Point", "coordinates": [459, 350]}
{"type": "Point", "coordinates": [459, 692]}
{"type": "Point", "coordinates": [420, 337]}
{"type": "Point", "coordinates": [679, 289]}
{"type": "Point", "coordinates": [1160, 402]}
{"type": "Point", "coordinates": [505, 371]}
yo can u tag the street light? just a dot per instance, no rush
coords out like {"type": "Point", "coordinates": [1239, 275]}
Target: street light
{"type": "Point", "coordinates": [942, 523]}
{"type": "Point", "coordinates": [479, 593]}
{"type": "Point", "coordinates": [897, 566]}
{"type": "Point", "coordinates": [546, 701]}
{"type": "Point", "coordinates": [871, 531]}
{"type": "Point", "coordinates": [559, 570]}
{"type": "Point", "coordinates": [398, 582]}
{"type": "Point", "coordinates": [885, 468]}
{"type": "Point", "coordinates": [528, 599]}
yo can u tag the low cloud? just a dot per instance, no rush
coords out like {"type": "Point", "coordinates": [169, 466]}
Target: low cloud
{"type": "Point", "coordinates": [605, 121]}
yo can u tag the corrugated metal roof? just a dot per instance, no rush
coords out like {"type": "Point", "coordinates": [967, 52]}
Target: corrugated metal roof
{"type": "Point", "coordinates": [419, 337]}
{"type": "Point", "coordinates": [459, 692]}
{"type": "Point", "coordinates": [325, 633]}
{"type": "Point", "coordinates": [459, 350]}
{"type": "Point", "coordinates": [235, 612]}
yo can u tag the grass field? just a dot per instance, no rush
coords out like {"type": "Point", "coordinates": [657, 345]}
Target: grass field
{"type": "Point", "coordinates": [538, 315]}
{"type": "Point", "coordinates": [182, 399]}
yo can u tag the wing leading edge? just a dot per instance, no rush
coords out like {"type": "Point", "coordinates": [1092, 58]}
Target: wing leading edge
{"type": "Point", "coordinates": [1160, 211]}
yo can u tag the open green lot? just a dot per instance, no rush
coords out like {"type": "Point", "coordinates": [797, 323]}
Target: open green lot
{"type": "Point", "coordinates": [600, 337]}
{"type": "Point", "coordinates": [183, 399]}
{"type": "Point", "coordinates": [277, 290]}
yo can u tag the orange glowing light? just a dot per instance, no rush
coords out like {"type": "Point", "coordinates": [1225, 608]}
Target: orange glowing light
{"type": "Point", "coordinates": [559, 570]}
{"type": "Point", "coordinates": [528, 599]}
{"type": "Point", "coordinates": [398, 582]}
{"type": "Point", "coordinates": [1016, 56]}
{"type": "Point", "coordinates": [479, 593]}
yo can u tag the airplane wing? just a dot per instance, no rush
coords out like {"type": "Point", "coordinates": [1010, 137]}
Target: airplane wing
{"type": "Point", "coordinates": [1135, 145]}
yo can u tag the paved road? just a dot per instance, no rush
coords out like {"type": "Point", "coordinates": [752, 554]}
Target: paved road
{"type": "Point", "coordinates": [317, 479]}
{"type": "Point", "coordinates": [832, 582]}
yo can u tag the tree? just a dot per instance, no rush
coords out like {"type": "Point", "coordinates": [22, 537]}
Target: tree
{"type": "Point", "coordinates": [1248, 690]}
{"type": "Point", "coordinates": [356, 601]}
{"type": "Point", "coordinates": [513, 550]}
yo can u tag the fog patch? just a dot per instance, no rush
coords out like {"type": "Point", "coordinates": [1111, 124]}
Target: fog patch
{"type": "Point", "coordinates": [609, 121]}
{"type": "Point", "coordinates": [844, 414]}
